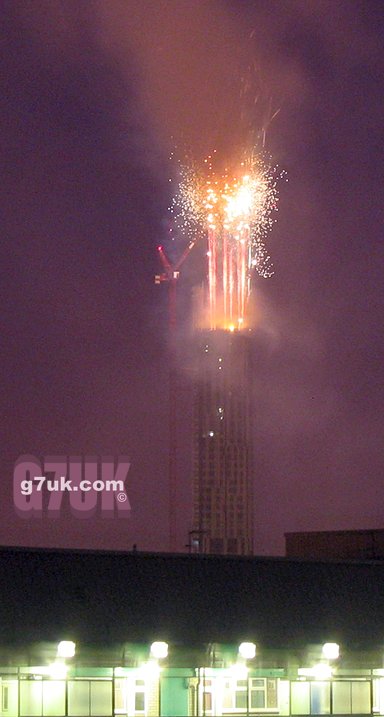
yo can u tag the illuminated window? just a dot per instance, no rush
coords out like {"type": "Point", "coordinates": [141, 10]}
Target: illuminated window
{"type": "Point", "coordinates": [130, 696]}
{"type": "Point", "coordinates": [139, 696]}
{"type": "Point", "coordinates": [235, 695]}
{"type": "Point", "coordinates": [263, 693]}
{"type": "Point", "coordinates": [53, 698]}
{"type": "Point", "coordinates": [320, 698]}
{"type": "Point", "coordinates": [30, 698]}
{"type": "Point", "coordinates": [258, 694]}
{"type": "Point", "coordinates": [120, 696]}
{"type": "Point", "coordinates": [351, 697]}
{"type": "Point", "coordinates": [140, 701]}
{"type": "Point", "coordinates": [241, 694]}
{"type": "Point", "coordinates": [207, 701]}
{"type": "Point", "coordinates": [5, 698]}
{"type": "Point", "coordinates": [206, 696]}
{"type": "Point", "coordinates": [100, 697]}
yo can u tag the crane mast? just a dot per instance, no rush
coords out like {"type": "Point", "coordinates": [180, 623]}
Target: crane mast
{"type": "Point", "coordinates": [171, 274]}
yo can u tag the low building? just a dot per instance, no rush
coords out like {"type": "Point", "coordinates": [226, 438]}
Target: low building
{"type": "Point", "coordinates": [336, 544]}
{"type": "Point", "coordinates": [102, 634]}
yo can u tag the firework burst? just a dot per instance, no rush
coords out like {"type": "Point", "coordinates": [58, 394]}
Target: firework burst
{"type": "Point", "coordinates": [233, 211]}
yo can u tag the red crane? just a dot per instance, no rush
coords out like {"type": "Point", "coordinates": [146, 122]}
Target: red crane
{"type": "Point", "coordinates": [171, 274]}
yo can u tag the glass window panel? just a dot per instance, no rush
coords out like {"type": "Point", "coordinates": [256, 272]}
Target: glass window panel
{"type": "Point", "coordinates": [101, 698]}
{"type": "Point", "coordinates": [320, 698]}
{"type": "Point", "coordinates": [5, 698]}
{"type": "Point", "coordinates": [139, 702]}
{"type": "Point", "coordinates": [341, 698]}
{"type": "Point", "coordinates": [53, 698]}
{"type": "Point", "coordinates": [78, 698]}
{"type": "Point", "coordinates": [227, 696]}
{"type": "Point", "coordinates": [271, 693]}
{"type": "Point", "coordinates": [257, 699]}
{"type": "Point", "coordinates": [207, 701]}
{"type": "Point", "coordinates": [241, 699]}
{"type": "Point", "coordinates": [12, 697]}
{"type": "Point", "coordinates": [361, 698]}
{"type": "Point", "coordinates": [257, 683]}
{"type": "Point", "coordinates": [120, 692]}
{"type": "Point", "coordinates": [31, 693]}
{"type": "Point", "coordinates": [378, 695]}
{"type": "Point", "coordinates": [300, 698]}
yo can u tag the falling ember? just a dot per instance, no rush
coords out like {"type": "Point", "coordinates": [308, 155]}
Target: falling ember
{"type": "Point", "coordinates": [233, 212]}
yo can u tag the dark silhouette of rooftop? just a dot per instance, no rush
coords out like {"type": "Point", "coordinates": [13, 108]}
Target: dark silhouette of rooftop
{"type": "Point", "coordinates": [112, 597]}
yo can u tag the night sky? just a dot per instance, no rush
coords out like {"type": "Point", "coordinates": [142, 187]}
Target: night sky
{"type": "Point", "coordinates": [94, 97]}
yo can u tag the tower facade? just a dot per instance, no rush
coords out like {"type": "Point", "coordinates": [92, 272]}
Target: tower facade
{"type": "Point", "coordinates": [222, 477]}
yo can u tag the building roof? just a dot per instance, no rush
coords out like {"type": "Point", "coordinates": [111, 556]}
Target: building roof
{"type": "Point", "coordinates": [115, 597]}
{"type": "Point", "coordinates": [341, 544]}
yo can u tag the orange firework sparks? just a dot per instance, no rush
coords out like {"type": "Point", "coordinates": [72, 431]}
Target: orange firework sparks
{"type": "Point", "coordinates": [233, 210]}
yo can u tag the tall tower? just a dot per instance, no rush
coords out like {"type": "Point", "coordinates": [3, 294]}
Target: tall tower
{"type": "Point", "coordinates": [222, 478]}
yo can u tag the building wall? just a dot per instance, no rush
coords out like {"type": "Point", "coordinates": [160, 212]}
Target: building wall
{"type": "Point", "coordinates": [194, 692]}
{"type": "Point", "coordinates": [175, 693]}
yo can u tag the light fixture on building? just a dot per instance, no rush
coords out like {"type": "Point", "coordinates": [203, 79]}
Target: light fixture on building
{"type": "Point", "coordinates": [247, 650]}
{"type": "Point", "coordinates": [331, 650]}
{"type": "Point", "coordinates": [159, 650]}
{"type": "Point", "coordinates": [66, 649]}
{"type": "Point", "coordinates": [322, 671]}
{"type": "Point", "coordinates": [57, 671]}
{"type": "Point", "coordinates": [239, 671]}
{"type": "Point", "coordinates": [149, 670]}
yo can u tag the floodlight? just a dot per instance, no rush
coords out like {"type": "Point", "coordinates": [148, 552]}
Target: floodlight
{"type": "Point", "coordinates": [159, 650]}
{"type": "Point", "coordinates": [331, 650]}
{"type": "Point", "coordinates": [239, 671]}
{"type": "Point", "coordinates": [322, 671]}
{"type": "Point", "coordinates": [57, 671]}
{"type": "Point", "coordinates": [66, 648]}
{"type": "Point", "coordinates": [247, 650]}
